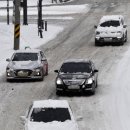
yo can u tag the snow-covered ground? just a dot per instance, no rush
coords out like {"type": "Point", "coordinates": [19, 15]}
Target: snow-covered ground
{"type": "Point", "coordinates": [30, 2]}
{"type": "Point", "coordinates": [29, 37]}
{"type": "Point", "coordinates": [54, 10]}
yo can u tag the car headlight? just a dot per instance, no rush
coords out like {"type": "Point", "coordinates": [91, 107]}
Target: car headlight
{"type": "Point", "coordinates": [89, 81]}
{"type": "Point", "coordinates": [8, 69]}
{"type": "Point", "coordinates": [59, 81]}
{"type": "Point", "coordinates": [97, 32]}
{"type": "Point", "coordinates": [119, 32]}
{"type": "Point", "coordinates": [38, 69]}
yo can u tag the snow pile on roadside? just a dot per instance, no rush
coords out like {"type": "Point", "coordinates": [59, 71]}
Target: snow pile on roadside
{"type": "Point", "coordinates": [31, 2]}
{"type": "Point", "coordinates": [29, 37]}
{"type": "Point", "coordinates": [55, 10]}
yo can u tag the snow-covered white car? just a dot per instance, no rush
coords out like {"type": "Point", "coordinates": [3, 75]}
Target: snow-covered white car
{"type": "Point", "coordinates": [49, 115]}
{"type": "Point", "coordinates": [111, 29]}
{"type": "Point", "coordinates": [27, 64]}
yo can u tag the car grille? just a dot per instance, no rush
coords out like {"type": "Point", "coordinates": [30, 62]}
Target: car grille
{"type": "Point", "coordinates": [74, 82]}
{"type": "Point", "coordinates": [23, 73]}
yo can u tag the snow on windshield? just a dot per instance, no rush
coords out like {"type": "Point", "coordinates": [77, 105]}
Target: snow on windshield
{"type": "Point", "coordinates": [50, 115]}
{"type": "Point", "coordinates": [25, 57]}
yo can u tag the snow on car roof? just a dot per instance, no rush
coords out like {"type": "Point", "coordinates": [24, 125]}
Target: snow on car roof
{"type": "Point", "coordinates": [27, 51]}
{"type": "Point", "coordinates": [50, 103]}
{"type": "Point", "coordinates": [76, 60]}
{"type": "Point", "coordinates": [110, 17]}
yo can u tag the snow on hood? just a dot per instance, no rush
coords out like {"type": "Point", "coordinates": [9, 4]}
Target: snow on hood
{"type": "Point", "coordinates": [55, 125]}
{"type": "Point", "coordinates": [109, 29]}
{"type": "Point", "coordinates": [23, 64]}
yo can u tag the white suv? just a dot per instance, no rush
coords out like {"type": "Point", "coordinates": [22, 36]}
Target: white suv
{"type": "Point", "coordinates": [111, 29]}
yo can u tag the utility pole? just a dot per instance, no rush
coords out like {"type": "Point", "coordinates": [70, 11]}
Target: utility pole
{"type": "Point", "coordinates": [8, 12]}
{"type": "Point", "coordinates": [17, 24]}
{"type": "Point", "coordinates": [40, 18]}
{"type": "Point", "coordinates": [40, 13]}
{"type": "Point", "coordinates": [25, 20]}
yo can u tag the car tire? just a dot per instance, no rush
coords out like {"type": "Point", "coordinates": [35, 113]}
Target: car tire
{"type": "Point", "coordinates": [8, 80]}
{"type": "Point", "coordinates": [96, 43]}
{"type": "Point", "coordinates": [123, 40]}
{"type": "Point", "coordinates": [125, 37]}
{"type": "Point", "coordinates": [42, 78]}
{"type": "Point", "coordinates": [58, 92]}
{"type": "Point", "coordinates": [93, 89]}
{"type": "Point", "coordinates": [47, 72]}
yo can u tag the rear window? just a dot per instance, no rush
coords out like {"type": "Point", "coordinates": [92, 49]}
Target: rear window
{"type": "Point", "coordinates": [113, 23]}
{"type": "Point", "coordinates": [50, 114]}
{"type": "Point", "coordinates": [73, 67]}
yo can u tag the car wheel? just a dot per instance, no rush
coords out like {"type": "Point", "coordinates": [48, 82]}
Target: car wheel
{"type": "Point", "coordinates": [96, 84]}
{"type": "Point", "coordinates": [97, 43]}
{"type": "Point", "coordinates": [125, 37]}
{"type": "Point", "coordinates": [8, 80]}
{"type": "Point", "coordinates": [42, 77]}
{"type": "Point", "coordinates": [122, 42]}
{"type": "Point", "coordinates": [93, 89]}
{"type": "Point", "coordinates": [46, 71]}
{"type": "Point", "coordinates": [58, 92]}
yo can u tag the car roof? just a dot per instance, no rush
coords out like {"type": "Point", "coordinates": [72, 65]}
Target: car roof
{"type": "Point", "coordinates": [28, 51]}
{"type": "Point", "coordinates": [77, 60]}
{"type": "Point", "coordinates": [50, 104]}
{"type": "Point", "coordinates": [110, 17]}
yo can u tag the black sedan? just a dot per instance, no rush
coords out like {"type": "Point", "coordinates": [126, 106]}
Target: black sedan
{"type": "Point", "coordinates": [76, 75]}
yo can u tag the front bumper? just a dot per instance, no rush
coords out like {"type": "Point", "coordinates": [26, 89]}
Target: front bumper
{"type": "Point", "coordinates": [64, 87]}
{"type": "Point", "coordinates": [109, 39]}
{"type": "Point", "coordinates": [23, 74]}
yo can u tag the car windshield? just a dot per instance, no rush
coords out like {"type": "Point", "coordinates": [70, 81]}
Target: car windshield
{"type": "Point", "coordinates": [25, 57]}
{"type": "Point", "coordinates": [113, 23]}
{"type": "Point", "coordinates": [50, 114]}
{"type": "Point", "coordinates": [76, 67]}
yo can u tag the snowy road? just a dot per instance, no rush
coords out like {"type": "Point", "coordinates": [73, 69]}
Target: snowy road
{"type": "Point", "coordinates": [109, 108]}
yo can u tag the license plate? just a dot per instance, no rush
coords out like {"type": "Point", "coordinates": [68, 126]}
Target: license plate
{"type": "Point", "coordinates": [22, 74]}
{"type": "Point", "coordinates": [73, 87]}
{"type": "Point", "coordinates": [107, 39]}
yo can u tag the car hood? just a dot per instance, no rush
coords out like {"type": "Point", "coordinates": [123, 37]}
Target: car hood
{"type": "Point", "coordinates": [52, 126]}
{"type": "Point", "coordinates": [109, 29]}
{"type": "Point", "coordinates": [23, 64]}
{"type": "Point", "coordinates": [74, 76]}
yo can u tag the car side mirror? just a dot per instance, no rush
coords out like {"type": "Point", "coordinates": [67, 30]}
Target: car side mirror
{"type": "Point", "coordinates": [124, 26]}
{"type": "Point", "coordinates": [8, 60]}
{"type": "Point", "coordinates": [95, 70]}
{"type": "Point", "coordinates": [56, 71]}
{"type": "Point", "coordinates": [23, 119]}
{"type": "Point", "coordinates": [95, 26]}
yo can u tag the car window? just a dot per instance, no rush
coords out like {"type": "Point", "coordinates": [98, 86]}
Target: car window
{"type": "Point", "coordinates": [25, 57]}
{"type": "Point", "coordinates": [113, 23]}
{"type": "Point", "coordinates": [50, 114]}
{"type": "Point", "coordinates": [76, 67]}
